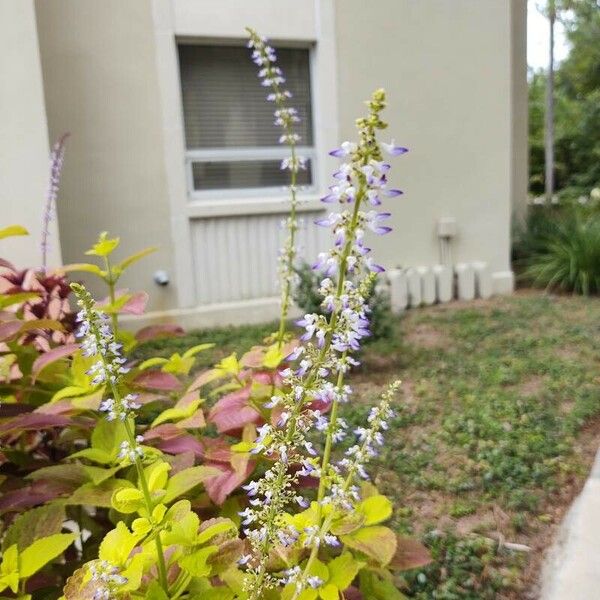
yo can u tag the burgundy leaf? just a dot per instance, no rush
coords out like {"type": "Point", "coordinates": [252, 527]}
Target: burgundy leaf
{"type": "Point", "coordinates": [185, 443]}
{"type": "Point", "coordinates": [232, 413]}
{"type": "Point", "coordinates": [9, 329]}
{"type": "Point", "coordinates": [136, 305]}
{"type": "Point", "coordinates": [31, 495]}
{"type": "Point", "coordinates": [172, 440]}
{"type": "Point", "coordinates": [158, 331]}
{"type": "Point", "coordinates": [34, 420]}
{"type": "Point", "coordinates": [410, 554]}
{"type": "Point", "coordinates": [157, 380]}
{"type": "Point", "coordinates": [219, 487]}
{"type": "Point", "coordinates": [47, 358]}
{"type": "Point", "coordinates": [12, 410]}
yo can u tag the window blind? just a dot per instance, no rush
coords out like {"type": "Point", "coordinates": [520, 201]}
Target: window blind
{"type": "Point", "coordinates": [224, 105]}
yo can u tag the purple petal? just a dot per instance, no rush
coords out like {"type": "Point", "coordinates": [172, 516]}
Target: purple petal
{"type": "Point", "coordinates": [393, 149]}
{"type": "Point", "coordinates": [382, 230]}
{"type": "Point", "coordinates": [393, 192]}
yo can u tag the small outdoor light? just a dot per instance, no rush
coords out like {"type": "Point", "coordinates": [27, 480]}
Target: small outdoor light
{"type": "Point", "coordinates": [161, 278]}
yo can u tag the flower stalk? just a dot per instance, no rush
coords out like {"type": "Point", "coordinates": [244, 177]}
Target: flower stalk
{"type": "Point", "coordinates": [57, 157]}
{"type": "Point", "coordinates": [98, 341]}
{"type": "Point", "coordinates": [264, 56]}
{"type": "Point", "coordinates": [329, 342]}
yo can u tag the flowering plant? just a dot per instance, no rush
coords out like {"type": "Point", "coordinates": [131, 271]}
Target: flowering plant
{"type": "Point", "coordinates": [269, 509]}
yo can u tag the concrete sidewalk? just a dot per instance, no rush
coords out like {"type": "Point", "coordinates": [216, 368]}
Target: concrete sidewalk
{"type": "Point", "coordinates": [572, 568]}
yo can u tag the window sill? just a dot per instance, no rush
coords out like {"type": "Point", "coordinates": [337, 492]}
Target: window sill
{"type": "Point", "coordinates": [250, 206]}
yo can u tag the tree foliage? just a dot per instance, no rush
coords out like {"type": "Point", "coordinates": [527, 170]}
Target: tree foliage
{"type": "Point", "coordinates": [577, 106]}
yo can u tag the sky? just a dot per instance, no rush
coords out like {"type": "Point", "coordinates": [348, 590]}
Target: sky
{"type": "Point", "coordinates": [537, 37]}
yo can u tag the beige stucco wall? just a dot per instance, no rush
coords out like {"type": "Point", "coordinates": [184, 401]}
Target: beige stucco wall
{"type": "Point", "coordinates": [520, 105]}
{"type": "Point", "coordinates": [100, 84]}
{"type": "Point", "coordinates": [23, 135]}
{"type": "Point", "coordinates": [446, 65]}
{"type": "Point", "coordinates": [454, 71]}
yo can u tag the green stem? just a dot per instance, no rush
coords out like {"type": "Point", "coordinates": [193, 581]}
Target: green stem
{"type": "Point", "coordinates": [291, 252]}
{"type": "Point", "coordinates": [111, 294]}
{"type": "Point", "coordinates": [162, 568]}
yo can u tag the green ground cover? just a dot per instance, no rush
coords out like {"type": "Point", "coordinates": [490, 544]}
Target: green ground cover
{"type": "Point", "coordinates": [496, 428]}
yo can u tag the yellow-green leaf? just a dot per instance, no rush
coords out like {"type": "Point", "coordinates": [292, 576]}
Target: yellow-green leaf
{"type": "Point", "coordinates": [195, 563]}
{"type": "Point", "coordinates": [127, 262]}
{"type": "Point", "coordinates": [221, 526]}
{"type": "Point", "coordinates": [152, 362]}
{"type": "Point", "coordinates": [13, 230]}
{"type": "Point", "coordinates": [376, 509]}
{"type": "Point", "coordinates": [127, 500]}
{"type": "Point", "coordinates": [196, 349]}
{"type": "Point", "coordinates": [104, 246]}
{"type": "Point", "coordinates": [229, 365]}
{"type": "Point", "coordinates": [343, 569]}
{"type": "Point", "coordinates": [157, 475]}
{"type": "Point", "coordinates": [42, 551]}
{"type": "Point", "coordinates": [84, 267]}
{"type": "Point", "coordinates": [118, 544]}
{"type": "Point", "coordinates": [175, 413]}
{"type": "Point", "coordinates": [376, 542]}
{"type": "Point", "coordinates": [187, 479]}
{"type": "Point", "coordinates": [10, 299]}
{"type": "Point", "coordinates": [273, 357]}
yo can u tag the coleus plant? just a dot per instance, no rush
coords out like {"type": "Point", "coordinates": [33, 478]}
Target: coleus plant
{"type": "Point", "coordinates": [120, 442]}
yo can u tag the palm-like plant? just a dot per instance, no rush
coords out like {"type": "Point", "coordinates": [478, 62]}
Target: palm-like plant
{"type": "Point", "coordinates": [567, 255]}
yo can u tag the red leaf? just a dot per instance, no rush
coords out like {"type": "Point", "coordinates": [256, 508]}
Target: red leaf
{"type": "Point", "coordinates": [136, 305]}
{"type": "Point", "coordinates": [53, 355]}
{"type": "Point", "coordinates": [6, 264]}
{"type": "Point", "coordinates": [165, 431]}
{"type": "Point", "coordinates": [185, 443]}
{"type": "Point", "coordinates": [34, 420]}
{"type": "Point", "coordinates": [217, 450]}
{"type": "Point", "coordinates": [172, 440]}
{"type": "Point", "coordinates": [37, 493]}
{"type": "Point", "coordinates": [157, 380]}
{"type": "Point", "coordinates": [219, 487]}
{"type": "Point", "coordinates": [232, 412]}
{"type": "Point", "coordinates": [410, 554]}
{"type": "Point", "coordinates": [158, 331]}
{"type": "Point", "coordinates": [9, 329]}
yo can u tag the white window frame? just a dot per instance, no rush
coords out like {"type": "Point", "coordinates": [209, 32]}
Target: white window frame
{"type": "Point", "coordinates": [233, 154]}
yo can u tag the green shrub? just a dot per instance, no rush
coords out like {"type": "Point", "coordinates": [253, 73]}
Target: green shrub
{"type": "Point", "coordinates": [561, 250]}
{"type": "Point", "coordinates": [308, 299]}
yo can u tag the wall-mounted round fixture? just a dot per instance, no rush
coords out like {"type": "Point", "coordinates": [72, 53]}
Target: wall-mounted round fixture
{"type": "Point", "coordinates": [161, 278]}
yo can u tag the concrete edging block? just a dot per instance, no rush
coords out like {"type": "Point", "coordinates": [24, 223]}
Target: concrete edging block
{"type": "Point", "coordinates": [465, 281]}
{"type": "Point", "coordinates": [483, 280]}
{"type": "Point", "coordinates": [443, 283]}
{"type": "Point", "coordinates": [398, 290]}
{"type": "Point", "coordinates": [427, 285]}
{"type": "Point", "coordinates": [413, 280]}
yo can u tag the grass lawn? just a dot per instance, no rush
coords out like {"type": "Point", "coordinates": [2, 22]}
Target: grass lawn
{"type": "Point", "coordinates": [497, 426]}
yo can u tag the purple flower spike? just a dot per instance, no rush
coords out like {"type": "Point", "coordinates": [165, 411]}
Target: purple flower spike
{"type": "Point", "coordinates": [394, 150]}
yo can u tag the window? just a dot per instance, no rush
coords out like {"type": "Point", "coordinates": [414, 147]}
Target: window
{"type": "Point", "coordinates": [232, 143]}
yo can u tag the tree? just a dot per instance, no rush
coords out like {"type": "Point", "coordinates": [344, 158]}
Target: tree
{"type": "Point", "coordinates": [575, 97]}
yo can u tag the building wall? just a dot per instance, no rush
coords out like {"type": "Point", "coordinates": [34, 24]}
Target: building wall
{"type": "Point", "coordinates": [446, 65]}
{"type": "Point", "coordinates": [101, 84]}
{"type": "Point", "coordinates": [24, 148]}
{"type": "Point", "coordinates": [520, 104]}
{"type": "Point", "coordinates": [453, 69]}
